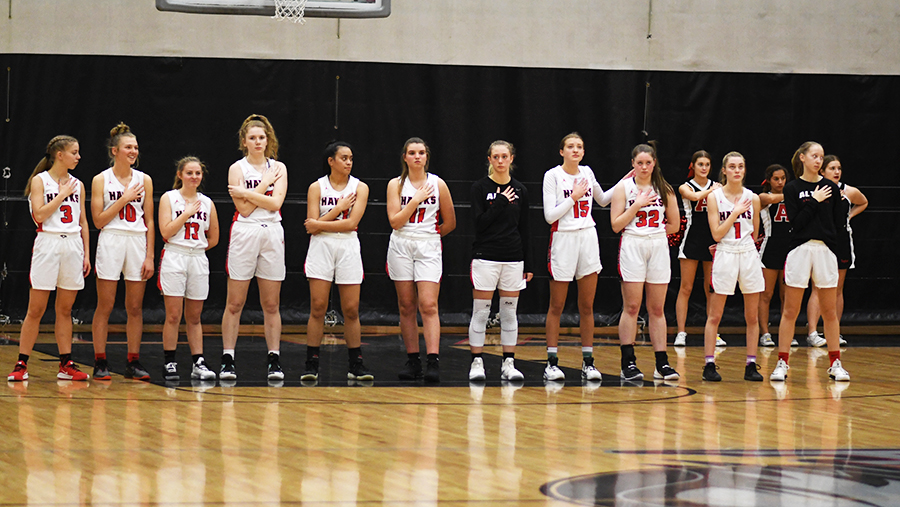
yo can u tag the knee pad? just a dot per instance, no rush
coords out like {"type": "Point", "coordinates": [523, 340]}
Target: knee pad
{"type": "Point", "coordinates": [481, 311]}
{"type": "Point", "coordinates": [509, 323]}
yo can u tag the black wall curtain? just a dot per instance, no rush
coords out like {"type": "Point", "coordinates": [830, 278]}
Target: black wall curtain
{"type": "Point", "coordinates": [180, 106]}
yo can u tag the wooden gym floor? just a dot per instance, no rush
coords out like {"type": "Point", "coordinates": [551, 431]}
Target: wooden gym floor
{"type": "Point", "coordinates": [808, 441]}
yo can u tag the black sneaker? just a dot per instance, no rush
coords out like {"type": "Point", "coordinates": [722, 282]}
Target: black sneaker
{"type": "Point", "coordinates": [170, 372]}
{"type": "Point", "coordinates": [665, 372]}
{"type": "Point", "coordinates": [227, 371]}
{"type": "Point", "coordinates": [134, 370]}
{"type": "Point", "coordinates": [358, 371]}
{"type": "Point", "coordinates": [274, 368]}
{"type": "Point", "coordinates": [751, 373]}
{"type": "Point", "coordinates": [433, 370]}
{"type": "Point", "coordinates": [311, 370]}
{"type": "Point", "coordinates": [631, 372]}
{"type": "Point", "coordinates": [101, 370]}
{"type": "Point", "coordinates": [710, 373]}
{"type": "Point", "coordinates": [412, 370]}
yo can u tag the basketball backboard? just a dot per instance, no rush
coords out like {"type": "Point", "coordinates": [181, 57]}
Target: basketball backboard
{"type": "Point", "coordinates": [314, 8]}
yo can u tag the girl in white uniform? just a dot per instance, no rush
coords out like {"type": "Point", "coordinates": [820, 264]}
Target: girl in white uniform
{"type": "Point", "coordinates": [336, 203]}
{"type": "Point", "coordinates": [59, 259]}
{"type": "Point", "coordinates": [645, 208]}
{"type": "Point", "coordinates": [734, 223]}
{"type": "Point", "coordinates": [189, 225]}
{"type": "Point", "coordinates": [569, 191]}
{"type": "Point", "coordinates": [420, 210]}
{"type": "Point", "coordinates": [122, 208]}
{"type": "Point", "coordinates": [257, 184]}
{"type": "Point", "coordinates": [854, 202]}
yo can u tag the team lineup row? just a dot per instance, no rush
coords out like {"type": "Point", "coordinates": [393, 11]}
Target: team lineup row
{"type": "Point", "coordinates": [721, 217]}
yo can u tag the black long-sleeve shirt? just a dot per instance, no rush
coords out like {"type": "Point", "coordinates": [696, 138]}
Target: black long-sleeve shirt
{"type": "Point", "coordinates": [501, 227]}
{"type": "Point", "coordinates": [811, 219]}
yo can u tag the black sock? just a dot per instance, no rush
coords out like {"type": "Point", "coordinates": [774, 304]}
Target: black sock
{"type": "Point", "coordinates": [354, 354]}
{"type": "Point", "coordinates": [662, 359]}
{"type": "Point", "coordinates": [169, 356]}
{"type": "Point", "coordinates": [627, 355]}
{"type": "Point", "coordinates": [311, 353]}
{"type": "Point", "coordinates": [64, 359]}
{"type": "Point", "coordinates": [196, 357]}
{"type": "Point", "coordinates": [23, 358]}
{"type": "Point", "coordinates": [433, 358]}
{"type": "Point", "coordinates": [478, 355]}
{"type": "Point", "coordinates": [414, 356]}
{"type": "Point", "coordinates": [509, 354]}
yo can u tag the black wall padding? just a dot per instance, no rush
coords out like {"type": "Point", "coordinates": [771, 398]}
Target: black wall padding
{"type": "Point", "coordinates": [179, 106]}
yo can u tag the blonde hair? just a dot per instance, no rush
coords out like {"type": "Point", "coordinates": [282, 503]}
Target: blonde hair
{"type": "Point", "coordinates": [258, 120]}
{"type": "Point", "coordinates": [115, 136]}
{"type": "Point", "coordinates": [722, 178]}
{"type": "Point", "coordinates": [508, 145]}
{"type": "Point", "coordinates": [56, 145]}
{"type": "Point", "coordinates": [180, 165]}
{"type": "Point", "coordinates": [796, 163]}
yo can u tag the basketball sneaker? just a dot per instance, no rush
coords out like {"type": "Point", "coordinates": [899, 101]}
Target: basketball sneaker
{"type": "Point", "coordinates": [19, 373]}
{"type": "Point", "coordinates": [311, 370]}
{"type": "Point", "coordinates": [412, 370]}
{"type": "Point", "coordinates": [508, 370]}
{"type": "Point", "coordinates": [720, 342]}
{"type": "Point", "coordinates": [780, 372]}
{"type": "Point", "coordinates": [751, 372]}
{"type": "Point", "coordinates": [589, 371]}
{"type": "Point", "coordinates": [358, 371]}
{"type": "Point", "coordinates": [766, 340]}
{"type": "Point", "coordinates": [134, 370]}
{"type": "Point", "coordinates": [665, 372]}
{"type": "Point", "coordinates": [101, 370]}
{"type": "Point", "coordinates": [476, 371]}
{"type": "Point", "coordinates": [837, 372]}
{"type": "Point", "coordinates": [70, 371]}
{"type": "Point", "coordinates": [815, 340]}
{"type": "Point", "coordinates": [273, 368]}
{"type": "Point", "coordinates": [631, 372]}
{"type": "Point", "coordinates": [227, 372]}
{"type": "Point", "coordinates": [710, 373]}
{"type": "Point", "coordinates": [680, 339]}
{"type": "Point", "coordinates": [432, 370]}
{"type": "Point", "coordinates": [552, 371]}
{"type": "Point", "coordinates": [841, 340]}
{"type": "Point", "coordinates": [794, 342]}
{"type": "Point", "coordinates": [199, 371]}
{"type": "Point", "coordinates": [170, 372]}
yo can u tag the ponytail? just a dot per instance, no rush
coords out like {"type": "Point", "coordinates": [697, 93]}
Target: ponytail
{"type": "Point", "coordinates": [56, 145]}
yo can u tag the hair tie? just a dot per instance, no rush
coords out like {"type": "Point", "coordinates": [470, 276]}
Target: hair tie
{"type": "Point", "coordinates": [764, 182]}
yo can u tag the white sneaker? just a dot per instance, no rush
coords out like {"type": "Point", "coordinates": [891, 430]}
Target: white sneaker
{"type": "Point", "coordinates": [200, 371]}
{"type": "Point", "coordinates": [589, 371]}
{"type": "Point", "coordinates": [680, 339]}
{"type": "Point", "coordinates": [815, 340]}
{"type": "Point", "coordinates": [170, 372]}
{"type": "Point", "coordinates": [508, 370]}
{"type": "Point", "coordinates": [780, 373]}
{"type": "Point", "coordinates": [476, 371]}
{"type": "Point", "coordinates": [552, 371]}
{"type": "Point", "coordinates": [794, 342]}
{"type": "Point", "coordinates": [841, 340]}
{"type": "Point", "coordinates": [720, 342]}
{"type": "Point", "coordinates": [837, 372]}
{"type": "Point", "coordinates": [766, 340]}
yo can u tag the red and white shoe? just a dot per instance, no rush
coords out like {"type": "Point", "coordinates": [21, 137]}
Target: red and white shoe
{"type": "Point", "coordinates": [19, 373]}
{"type": "Point", "coordinates": [70, 371]}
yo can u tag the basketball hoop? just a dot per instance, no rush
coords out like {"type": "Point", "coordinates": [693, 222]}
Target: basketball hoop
{"type": "Point", "coordinates": [291, 10]}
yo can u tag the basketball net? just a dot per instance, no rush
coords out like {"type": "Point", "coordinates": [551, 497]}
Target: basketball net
{"type": "Point", "coordinates": [291, 10]}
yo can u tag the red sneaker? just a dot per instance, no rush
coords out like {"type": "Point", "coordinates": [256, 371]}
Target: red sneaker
{"type": "Point", "coordinates": [19, 373]}
{"type": "Point", "coordinates": [70, 371]}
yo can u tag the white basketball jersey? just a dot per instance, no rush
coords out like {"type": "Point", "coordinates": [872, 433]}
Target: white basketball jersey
{"type": "Point", "coordinates": [330, 197]}
{"type": "Point", "coordinates": [426, 218]}
{"type": "Point", "coordinates": [252, 179]}
{"type": "Point", "coordinates": [131, 216]}
{"type": "Point", "coordinates": [193, 233]}
{"type": "Point", "coordinates": [650, 219]}
{"type": "Point", "coordinates": [67, 218]}
{"type": "Point", "coordinates": [741, 233]}
{"type": "Point", "coordinates": [558, 184]}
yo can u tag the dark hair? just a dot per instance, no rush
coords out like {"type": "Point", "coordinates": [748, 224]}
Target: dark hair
{"type": "Point", "coordinates": [770, 171]}
{"type": "Point", "coordinates": [659, 183]}
{"type": "Point", "coordinates": [330, 151]}
{"type": "Point", "coordinates": [180, 165]}
{"type": "Point", "coordinates": [827, 160]}
{"type": "Point", "coordinates": [258, 120]}
{"type": "Point", "coordinates": [698, 155]}
{"type": "Point", "coordinates": [508, 145]}
{"type": "Point", "coordinates": [115, 136]}
{"type": "Point", "coordinates": [404, 168]}
{"type": "Point", "coordinates": [796, 164]}
{"type": "Point", "coordinates": [56, 145]}
{"type": "Point", "coordinates": [570, 135]}
{"type": "Point", "coordinates": [731, 154]}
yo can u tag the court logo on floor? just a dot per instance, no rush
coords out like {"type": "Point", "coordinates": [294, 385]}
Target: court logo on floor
{"type": "Point", "coordinates": [843, 477]}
